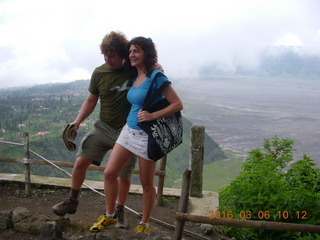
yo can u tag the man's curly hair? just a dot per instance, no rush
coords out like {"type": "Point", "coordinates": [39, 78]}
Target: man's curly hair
{"type": "Point", "coordinates": [150, 52]}
{"type": "Point", "coordinates": [115, 42]}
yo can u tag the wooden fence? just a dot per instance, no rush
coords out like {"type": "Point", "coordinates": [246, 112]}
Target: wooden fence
{"type": "Point", "coordinates": [26, 160]}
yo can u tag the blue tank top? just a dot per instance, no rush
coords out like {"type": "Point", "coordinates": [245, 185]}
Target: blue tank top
{"type": "Point", "coordinates": [136, 97]}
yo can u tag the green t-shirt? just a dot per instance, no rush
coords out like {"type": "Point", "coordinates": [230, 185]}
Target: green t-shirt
{"type": "Point", "coordinates": [112, 87]}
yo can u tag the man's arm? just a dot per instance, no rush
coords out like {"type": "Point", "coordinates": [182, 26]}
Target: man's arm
{"type": "Point", "coordinates": [86, 109]}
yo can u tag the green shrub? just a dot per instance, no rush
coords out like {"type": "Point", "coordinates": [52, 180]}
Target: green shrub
{"type": "Point", "coordinates": [272, 187]}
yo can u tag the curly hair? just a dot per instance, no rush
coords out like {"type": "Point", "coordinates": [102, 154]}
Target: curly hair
{"type": "Point", "coordinates": [150, 52]}
{"type": "Point", "coordinates": [115, 42]}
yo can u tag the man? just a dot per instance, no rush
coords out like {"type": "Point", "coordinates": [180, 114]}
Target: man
{"type": "Point", "coordinates": [109, 83]}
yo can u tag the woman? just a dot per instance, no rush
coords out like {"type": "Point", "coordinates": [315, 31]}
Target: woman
{"type": "Point", "coordinates": [132, 139]}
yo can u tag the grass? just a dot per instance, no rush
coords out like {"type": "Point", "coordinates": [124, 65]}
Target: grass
{"type": "Point", "coordinates": [219, 174]}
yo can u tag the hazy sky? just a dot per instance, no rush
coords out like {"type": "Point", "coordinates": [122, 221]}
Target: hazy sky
{"type": "Point", "coordinates": [58, 41]}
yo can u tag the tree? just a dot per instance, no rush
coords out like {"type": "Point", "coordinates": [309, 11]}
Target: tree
{"type": "Point", "coordinates": [272, 187]}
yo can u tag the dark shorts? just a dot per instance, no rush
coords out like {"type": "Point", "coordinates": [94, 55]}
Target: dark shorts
{"type": "Point", "coordinates": [97, 142]}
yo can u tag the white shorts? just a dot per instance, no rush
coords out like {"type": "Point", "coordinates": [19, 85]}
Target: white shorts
{"type": "Point", "coordinates": [136, 141]}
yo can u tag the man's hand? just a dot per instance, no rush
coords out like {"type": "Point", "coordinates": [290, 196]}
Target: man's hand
{"type": "Point", "coordinates": [157, 66]}
{"type": "Point", "coordinates": [76, 127]}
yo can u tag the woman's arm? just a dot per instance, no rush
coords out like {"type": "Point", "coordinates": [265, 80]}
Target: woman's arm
{"type": "Point", "coordinates": [175, 105]}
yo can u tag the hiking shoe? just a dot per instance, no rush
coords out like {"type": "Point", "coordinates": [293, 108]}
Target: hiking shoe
{"type": "Point", "coordinates": [103, 221]}
{"type": "Point", "coordinates": [122, 221]}
{"type": "Point", "coordinates": [68, 206]}
{"type": "Point", "coordinates": [143, 228]}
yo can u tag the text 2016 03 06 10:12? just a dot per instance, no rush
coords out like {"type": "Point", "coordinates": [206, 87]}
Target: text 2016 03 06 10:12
{"type": "Point", "coordinates": [259, 215]}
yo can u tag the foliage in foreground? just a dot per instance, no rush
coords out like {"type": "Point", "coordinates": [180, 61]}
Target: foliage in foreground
{"type": "Point", "coordinates": [270, 187]}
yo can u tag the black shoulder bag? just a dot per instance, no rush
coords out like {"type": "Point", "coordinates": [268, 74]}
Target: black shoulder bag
{"type": "Point", "coordinates": [164, 134]}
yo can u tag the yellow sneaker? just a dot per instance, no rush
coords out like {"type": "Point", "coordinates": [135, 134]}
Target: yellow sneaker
{"type": "Point", "coordinates": [143, 228]}
{"type": "Point", "coordinates": [103, 221]}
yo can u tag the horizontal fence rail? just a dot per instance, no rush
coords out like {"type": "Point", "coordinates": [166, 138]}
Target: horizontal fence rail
{"type": "Point", "coordinates": [65, 164]}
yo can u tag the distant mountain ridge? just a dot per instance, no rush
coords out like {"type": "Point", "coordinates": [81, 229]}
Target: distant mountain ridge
{"type": "Point", "coordinates": [48, 88]}
{"type": "Point", "coordinates": [275, 61]}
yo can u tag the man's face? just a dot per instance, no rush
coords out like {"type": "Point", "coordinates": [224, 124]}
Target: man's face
{"type": "Point", "coordinates": [113, 60]}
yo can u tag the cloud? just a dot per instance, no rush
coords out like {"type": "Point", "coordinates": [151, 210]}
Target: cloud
{"type": "Point", "coordinates": [50, 41]}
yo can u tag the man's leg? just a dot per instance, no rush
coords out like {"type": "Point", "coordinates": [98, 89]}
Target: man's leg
{"type": "Point", "coordinates": [124, 188]}
{"type": "Point", "coordinates": [92, 149]}
{"type": "Point", "coordinates": [79, 171]}
{"type": "Point", "coordinates": [78, 175]}
{"type": "Point", "coordinates": [124, 181]}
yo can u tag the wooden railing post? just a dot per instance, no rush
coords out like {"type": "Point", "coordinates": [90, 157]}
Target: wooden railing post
{"type": "Point", "coordinates": [197, 136]}
{"type": "Point", "coordinates": [26, 163]}
{"type": "Point", "coordinates": [183, 204]}
{"type": "Point", "coordinates": [163, 163]}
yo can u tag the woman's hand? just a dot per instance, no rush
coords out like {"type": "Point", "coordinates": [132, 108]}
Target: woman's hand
{"type": "Point", "coordinates": [144, 116]}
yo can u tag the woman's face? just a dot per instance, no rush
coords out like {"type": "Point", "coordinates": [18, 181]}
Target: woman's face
{"type": "Point", "coordinates": [113, 60]}
{"type": "Point", "coordinates": [136, 56]}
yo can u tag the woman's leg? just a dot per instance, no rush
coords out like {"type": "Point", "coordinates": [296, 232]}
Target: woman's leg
{"type": "Point", "coordinates": [118, 157]}
{"type": "Point", "coordinates": [147, 171]}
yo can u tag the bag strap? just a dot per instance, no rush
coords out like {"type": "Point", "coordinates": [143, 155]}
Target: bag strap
{"type": "Point", "coordinates": [149, 99]}
{"type": "Point", "coordinates": [151, 86]}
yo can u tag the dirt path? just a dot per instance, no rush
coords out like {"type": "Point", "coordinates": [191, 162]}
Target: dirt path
{"type": "Point", "coordinates": [90, 207]}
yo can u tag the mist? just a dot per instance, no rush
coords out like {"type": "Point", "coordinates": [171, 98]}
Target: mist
{"type": "Point", "coordinates": [44, 42]}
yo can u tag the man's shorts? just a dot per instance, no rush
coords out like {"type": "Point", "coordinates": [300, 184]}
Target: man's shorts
{"type": "Point", "coordinates": [97, 142]}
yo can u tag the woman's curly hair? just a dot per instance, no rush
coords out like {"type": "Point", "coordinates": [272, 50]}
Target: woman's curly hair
{"type": "Point", "coordinates": [150, 52]}
{"type": "Point", "coordinates": [115, 42]}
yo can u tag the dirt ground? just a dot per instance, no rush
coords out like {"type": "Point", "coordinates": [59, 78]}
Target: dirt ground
{"type": "Point", "coordinates": [91, 205]}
